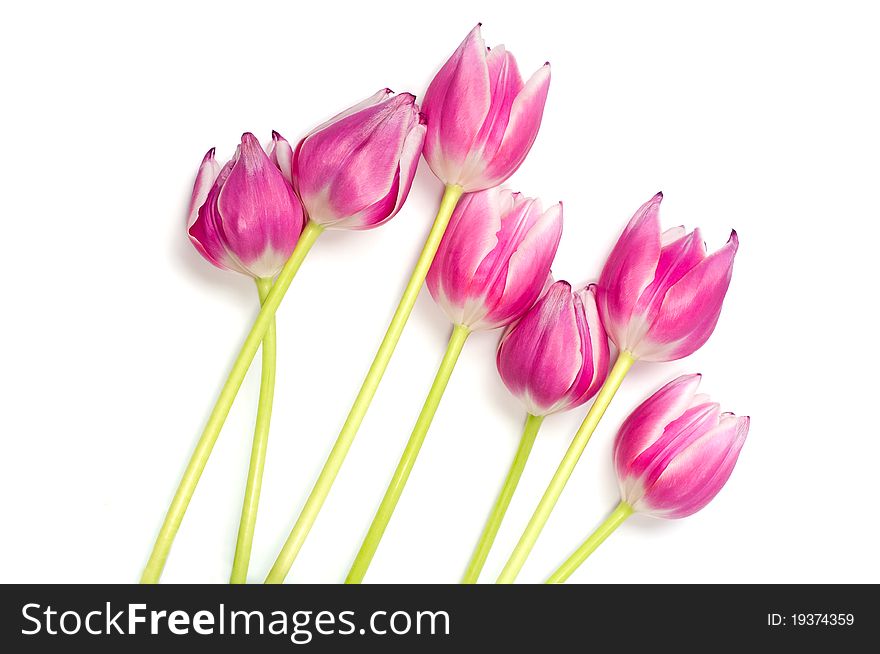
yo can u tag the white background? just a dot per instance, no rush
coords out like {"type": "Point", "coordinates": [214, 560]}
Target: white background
{"type": "Point", "coordinates": [116, 335]}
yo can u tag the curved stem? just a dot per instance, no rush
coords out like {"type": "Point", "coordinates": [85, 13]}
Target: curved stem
{"type": "Point", "coordinates": [408, 459]}
{"type": "Point", "coordinates": [325, 480]}
{"type": "Point", "coordinates": [258, 450]}
{"type": "Point", "coordinates": [566, 467]}
{"type": "Point", "coordinates": [199, 458]}
{"type": "Point", "coordinates": [612, 522]}
{"type": "Point", "coordinates": [484, 545]}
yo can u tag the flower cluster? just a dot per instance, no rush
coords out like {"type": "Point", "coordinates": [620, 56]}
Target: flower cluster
{"type": "Point", "coordinates": [487, 263]}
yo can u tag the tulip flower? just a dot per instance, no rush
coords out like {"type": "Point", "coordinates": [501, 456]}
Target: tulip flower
{"type": "Point", "coordinates": [353, 172]}
{"type": "Point", "coordinates": [492, 263]}
{"type": "Point", "coordinates": [482, 120]}
{"type": "Point", "coordinates": [660, 294]}
{"type": "Point", "coordinates": [659, 297]}
{"type": "Point", "coordinates": [490, 268]}
{"type": "Point", "coordinates": [672, 455]}
{"type": "Point", "coordinates": [482, 117]}
{"type": "Point", "coordinates": [243, 217]}
{"type": "Point", "coordinates": [554, 359]}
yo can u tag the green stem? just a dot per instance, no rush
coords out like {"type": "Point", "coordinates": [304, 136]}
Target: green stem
{"type": "Point", "coordinates": [258, 450]}
{"type": "Point", "coordinates": [484, 545]}
{"type": "Point", "coordinates": [408, 459]}
{"type": "Point", "coordinates": [612, 522]}
{"type": "Point", "coordinates": [322, 486]}
{"type": "Point", "coordinates": [196, 465]}
{"type": "Point", "coordinates": [566, 467]}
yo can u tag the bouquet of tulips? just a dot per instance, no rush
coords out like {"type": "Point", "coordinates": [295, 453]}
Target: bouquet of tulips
{"type": "Point", "coordinates": [487, 263]}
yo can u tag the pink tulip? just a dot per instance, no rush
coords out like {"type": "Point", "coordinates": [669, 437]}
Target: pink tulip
{"type": "Point", "coordinates": [659, 294]}
{"type": "Point", "coordinates": [494, 259]}
{"type": "Point", "coordinates": [482, 118]}
{"type": "Point", "coordinates": [244, 217]}
{"type": "Point", "coordinates": [556, 357]}
{"type": "Point", "coordinates": [676, 450]}
{"type": "Point", "coordinates": [355, 170]}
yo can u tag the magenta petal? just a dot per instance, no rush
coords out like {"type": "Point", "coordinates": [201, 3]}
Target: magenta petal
{"type": "Point", "coordinates": [281, 154]}
{"type": "Point", "coordinates": [521, 130]}
{"type": "Point", "coordinates": [469, 237]}
{"type": "Point", "coordinates": [262, 218]}
{"type": "Point", "coordinates": [456, 105]}
{"type": "Point", "coordinates": [698, 472]}
{"type": "Point", "coordinates": [629, 270]}
{"type": "Point", "coordinates": [539, 358]}
{"type": "Point", "coordinates": [676, 260]}
{"type": "Point", "coordinates": [595, 353]}
{"type": "Point", "coordinates": [208, 171]}
{"type": "Point", "coordinates": [691, 308]}
{"type": "Point", "coordinates": [521, 279]}
{"type": "Point", "coordinates": [647, 422]}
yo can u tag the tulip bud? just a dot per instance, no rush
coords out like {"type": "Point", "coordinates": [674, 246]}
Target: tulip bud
{"type": "Point", "coordinates": [355, 170]}
{"type": "Point", "coordinates": [244, 216]}
{"type": "Point", "coordinates": [660, 295]}
{"type": "Point", "coordinates": [482, 118]}
{"type": "Point", "coordinates": [556, 357]}
{"type": "Point", "coordinates": [495, 258]}
{"type": "Point", "coordinates": [676, 450]}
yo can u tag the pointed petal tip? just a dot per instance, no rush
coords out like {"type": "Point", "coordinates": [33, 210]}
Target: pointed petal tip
{"type": "Point", "coordinates": [562, 282]}
{"type": "Point", "coordinates": [277, 137]}
{"type": "Point", "coordinates": [658, 196]}
{"type": "Point", "coordinates": [249, 139]}
{"type": "Point", "coordinates": [209, 155]}
{"type": "Point", "coordinates": [734, 239]}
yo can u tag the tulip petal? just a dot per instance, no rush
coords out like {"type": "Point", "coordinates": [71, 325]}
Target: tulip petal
{"type": "Point", "coordinates": [648, 421]}
{"type": "Point", "coordinates": [698, 472]}
{"type": "Point", "coordinates": [539, 359]}
{"type": "Point", "coordinates": [677, 436]}
{"type": "Point", "coordinates": [379, 96]}
{"type": "Point", "coordinates": [263, 216]}
{"type": "Point", "coordinates": [676, 259]}
{"type": "Point", "coordinates": [515, 286]}
{"type": "Point", "coordinates": [521, 130]}
{"type": "Point", "coordinates": [594, 343]}
{"type": "Point", "coordinates": [469, 237]}
{"type": "Point", "coordinates": [281, 154]}
{"type": "Point", "coordinates": [456, 105]}
{"type": "Point", "coordinates": [691, 308]}
{"type": "Point", "coordinates": [208, 171]}
{"type": "Point", "coordinates": [629, 270]}
{"type": "Point", "coordinates": [206, 232]}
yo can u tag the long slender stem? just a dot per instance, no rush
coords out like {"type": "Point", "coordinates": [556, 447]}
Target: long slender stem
{"type": "Point", "coordinates": [196, 465]}
{"type": "Point", "coordinates": [258, 450]}
{"type": "Point", "coordinates": [408, 459]}
{"type": "Point", "coordinates": [334, 462]}
{"type": "Point", "coordinates": [566, 467]}
{"type": "Point", "coordinates": [484, 545]}
{"type": "Point", "coordinates": [612, 522]}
